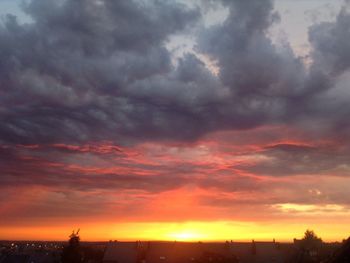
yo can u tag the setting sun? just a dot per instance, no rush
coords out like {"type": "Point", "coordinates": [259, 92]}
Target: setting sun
{"type": "Point", "coordinates": [185, 236]}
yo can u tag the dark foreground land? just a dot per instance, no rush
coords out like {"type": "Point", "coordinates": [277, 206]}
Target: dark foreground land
{"type": "Point", "coordinates": [173, 252]}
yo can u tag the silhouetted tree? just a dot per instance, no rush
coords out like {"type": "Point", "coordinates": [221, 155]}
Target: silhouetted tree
{"type": "Point", "coordinates": [72, 252]}
{"type": "Point", "coordinates": [308, 248]}
{"type": "Point", "coordinates": [310, 240]}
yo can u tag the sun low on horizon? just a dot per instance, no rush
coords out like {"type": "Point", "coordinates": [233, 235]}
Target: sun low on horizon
{"type": "Point", "coordinates": [174, 120]}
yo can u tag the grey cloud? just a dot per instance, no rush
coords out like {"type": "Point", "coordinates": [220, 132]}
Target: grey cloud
{"type": "Point", "coordinates": [264, 79]}
{"type": "Point", "coordinates": [289, 160]}
{"type": "Point", "coordinates": [37, 167]}
{"type": "Point", "coordinates": [330, 42]}
{"type": "Point", "coordinates": [87, 71]}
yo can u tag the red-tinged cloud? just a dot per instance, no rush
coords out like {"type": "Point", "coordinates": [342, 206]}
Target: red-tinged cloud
{"type": "Point", "coordinates": [206, 180]}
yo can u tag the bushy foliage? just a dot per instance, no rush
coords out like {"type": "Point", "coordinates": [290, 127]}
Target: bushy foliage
{"type": "Point", "coordinates": [311, 240]}
{"type": "Point", "coordinates": [72, 252]}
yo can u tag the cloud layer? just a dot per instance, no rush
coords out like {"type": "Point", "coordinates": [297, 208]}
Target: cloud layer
{"type": "Point", "coordinates": [99, 70]}
{"type": "Point", "coordinates": [97, 112]}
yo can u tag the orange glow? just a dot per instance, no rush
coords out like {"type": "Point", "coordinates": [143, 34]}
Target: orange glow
{"type": "Point", "coordinates": [188, 231]}
{"type": "Point", "coordinates": [187, 191]}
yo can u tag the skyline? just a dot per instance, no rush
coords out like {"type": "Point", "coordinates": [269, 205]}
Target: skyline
{"type": "Point", "coordinates": [186, 120]}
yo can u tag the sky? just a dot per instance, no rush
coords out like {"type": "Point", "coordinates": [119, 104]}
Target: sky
{"type": "Point", "coordinates": [174, 120]}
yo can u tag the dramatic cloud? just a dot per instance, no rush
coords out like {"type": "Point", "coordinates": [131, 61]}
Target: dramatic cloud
{"type": "Point", "coordinates": [99, 70]}
{"type": "Point", "coordinates": [100, 117]}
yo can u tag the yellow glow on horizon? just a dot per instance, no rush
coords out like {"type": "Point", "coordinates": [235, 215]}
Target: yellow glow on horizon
{"type": "Point", "coordinates": [185, 236]}
{"type": "Point", "coordinates": [186, 231]}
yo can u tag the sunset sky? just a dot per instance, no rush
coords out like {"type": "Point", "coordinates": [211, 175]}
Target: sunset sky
{"type": "Point", "coordinates": [174, 120]}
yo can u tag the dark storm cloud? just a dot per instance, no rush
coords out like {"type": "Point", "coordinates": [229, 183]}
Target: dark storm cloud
{"type": "Point", "coordinates": [331, 44]}
{"type": "Point", "coordinates": [70, 75]}
{"type": "Point", "coordinates": [86, 71]}
{"type": "Point", "coordinates": [328, 96]}
{"type": "Point", "coordinates": [262, 77]}
{"type": "Point", "coordinates": [90, 70]}
{"type": "Point", "coordinates": [99, 70]}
